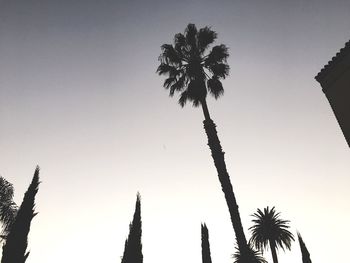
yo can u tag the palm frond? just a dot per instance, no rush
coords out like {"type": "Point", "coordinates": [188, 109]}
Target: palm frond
{"type": "Point", "coordinates": [206, 36]}
{"type": "Point", "coordinates": [168, 82]}
{"type": "Point", "coordinates": [166, 69]}
{"type": "Point", "coordinates": [179, 42]}
{"type": "Point", "coordinates": [215, 87]}
{"type": "Point", "coordinates": [8, 208]}
{"type": "Point", "coordinates": [178, 85]}
{"type": "Point", "coordinates": [8, 212]}
{"type": "Point", "coordinates": [191, 36]}
{"type": "Point", "coordinates": [183, 98]}
{"type": "Point", "coordinates": [6, 189]}
{"type": "Point", "coordinates": [169, 55]}
{"type": "Point", "coordinates": [217, 54]}
{"type": "Point", "coordinates": [220, 70]}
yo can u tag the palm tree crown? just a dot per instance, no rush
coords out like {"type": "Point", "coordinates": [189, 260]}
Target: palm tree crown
{"type": "Point", "coordinates": [193, 71]}
{"type": "Point", "coordinates": [268, 228]}
{"type": "Point", "coordinates": [190, 69]}
{"type": "Point", "coordinates": [252, 256]}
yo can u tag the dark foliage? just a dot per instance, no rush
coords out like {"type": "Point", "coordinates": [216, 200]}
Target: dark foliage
{"type": "Point", "coordinates": [304, 252]}
{"type": "Point", "coordinates": [133, 245]}
{"type": "Point", "coordinates": [189, 69]}
{"type": "Point", "coordinates": [14, 250]}
{"type": "Point", "coordinates": [206, 258]}
{"type": "Point", "coordinates": [253, 256]}
{"type": "Point", "coordinates": [8, 208]}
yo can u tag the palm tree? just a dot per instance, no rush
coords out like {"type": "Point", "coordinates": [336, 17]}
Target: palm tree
{"type": "Point", "coordinates": [253, 256]}
{"type": "Point", "coordinates": [269, 229]}
{"type": "Point", "coordinates": [8, 208]}
{"type": "Point", "coordinates": [193, 72]}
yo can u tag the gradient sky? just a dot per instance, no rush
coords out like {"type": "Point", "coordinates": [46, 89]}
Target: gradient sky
{"type": "Point", "coordinates": [79, 96]}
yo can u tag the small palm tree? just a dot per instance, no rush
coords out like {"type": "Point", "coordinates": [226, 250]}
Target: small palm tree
{"type": "Point", "coordinates": [8, 208]}
{"type": "Point", "coordinates": [269, 229]}
{"type": "Point", "coordinates": [194, 72]}
{"type": "Point", "coordinates": [253, 256]}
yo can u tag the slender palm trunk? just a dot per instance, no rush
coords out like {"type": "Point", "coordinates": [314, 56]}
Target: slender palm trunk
{"type": "Point", "coordinates": [224, 178]}
{"type": "Point", "coordinates": [205, 110]}
{"type": "Point", "coordinates": [273, 251]}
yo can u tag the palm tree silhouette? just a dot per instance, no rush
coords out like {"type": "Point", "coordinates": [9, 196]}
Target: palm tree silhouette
{"type": "Point", "coordinates": [193, 72]}
{"type": "Point", "coordinates": [8, 208]}
{"type": "Point", "coordinates": [269, 229]}
{"type": "Point", "coordinates": [253, 256]}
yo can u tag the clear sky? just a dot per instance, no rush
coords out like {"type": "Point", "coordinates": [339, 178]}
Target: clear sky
{"type": "Point", "coordinates": [79, 96]}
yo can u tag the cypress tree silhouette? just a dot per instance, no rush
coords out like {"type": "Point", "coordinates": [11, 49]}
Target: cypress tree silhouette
{"type": "Point", "coordinates": [133, 245]}
{"type": "Point", "coordinates": [304, 252]}
{"type": "Point", "coordinates": [194, 73]}
{"type": "Point", "coordinates": [14, 250]}
{"type": "Point", "coordinates": [205, 244]}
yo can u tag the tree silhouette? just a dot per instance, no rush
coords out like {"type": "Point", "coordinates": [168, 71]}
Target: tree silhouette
{"type": "Point", "coordinates": [269, 229]}
{"type": "Point", "coordinates": [133, 245]}
{"type": "Point", "coordinates": [8, 208]}
{"type": "Point", "coordinates": [252, 257]}
{"type": "Point", "coordinates": [206, 258]}
{"type": "Point", "coordinates": [193, 72]}
{"type": "Point", "coordinates": [304, 252]}
{"type": "Point", "coordinates": [14, 250]}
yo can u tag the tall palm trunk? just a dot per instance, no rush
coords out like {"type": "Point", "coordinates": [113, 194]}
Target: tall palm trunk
{"type": "Point", "coordinates": [224, 178]}
{"type": "Point", "coordinates": [273, 251]}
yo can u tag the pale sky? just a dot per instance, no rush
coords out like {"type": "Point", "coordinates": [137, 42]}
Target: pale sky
{"type": "Point", "coordinates": [80, 97]}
